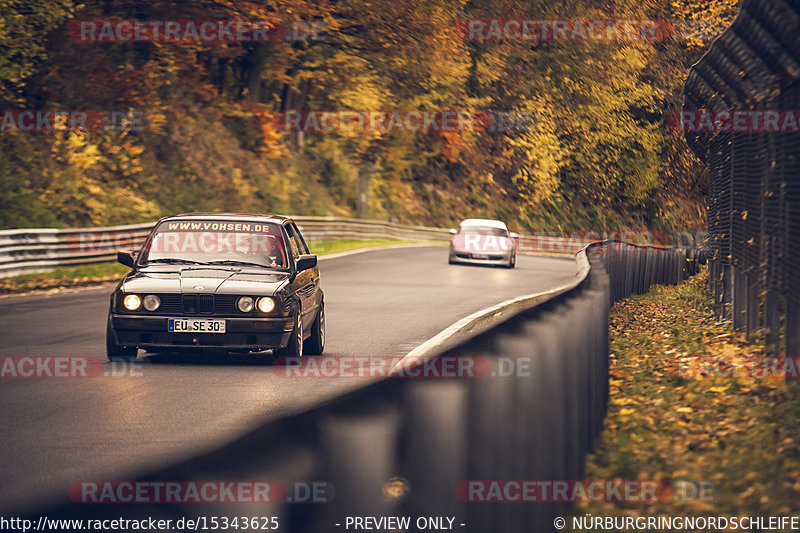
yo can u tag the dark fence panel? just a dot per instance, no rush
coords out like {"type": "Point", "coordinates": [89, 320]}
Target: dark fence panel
{"type": "Point", "coordinates": [754, 187]}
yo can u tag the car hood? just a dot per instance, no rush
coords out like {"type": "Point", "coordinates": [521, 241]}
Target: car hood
{"type": "Point", "coordinates": [212, 281]}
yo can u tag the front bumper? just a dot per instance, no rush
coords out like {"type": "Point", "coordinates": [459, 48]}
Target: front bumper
{"type": "Point", "coordinates": [240, 333]}
{"type": "Point", "coordinates": [490, 259]}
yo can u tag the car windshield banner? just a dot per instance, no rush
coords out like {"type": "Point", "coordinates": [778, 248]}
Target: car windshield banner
{"type": "Point", "coordinates": [214, 238]}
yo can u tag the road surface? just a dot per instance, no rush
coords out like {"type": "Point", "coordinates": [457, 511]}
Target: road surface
{"type": "Point", "coordinates": [57, 431]}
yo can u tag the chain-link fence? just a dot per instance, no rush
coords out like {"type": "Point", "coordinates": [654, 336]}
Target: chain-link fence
{"type": "Point", "coordinates": [740, 116]}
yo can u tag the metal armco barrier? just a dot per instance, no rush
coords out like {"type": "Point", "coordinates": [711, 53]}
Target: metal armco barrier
{"type": "Point", "coordinates": [37, 250]}
{"type": "Point", "coordinates": [409, 446]}
{"type": "Point", "coordinates": [634, 269]}
{"type": "Point", "coordinates": [754, 183]}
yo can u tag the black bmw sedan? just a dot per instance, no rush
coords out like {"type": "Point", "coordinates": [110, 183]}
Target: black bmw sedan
{"type": "Point", "coordinates": [228, 281]}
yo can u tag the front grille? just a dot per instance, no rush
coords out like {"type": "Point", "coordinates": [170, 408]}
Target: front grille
{"type": "Point", "coordinates": [170, 304]}
{"type": "Point", "coordinates": [486, 257]}
{"type": "Point", "coordinates": [225, 305]}
{"type": "Point", "coordinates": [198, 304]}
{"type": "Point", "coordinates": [189, 303]}
{"type": "Point", "coordinates": [205, 303]}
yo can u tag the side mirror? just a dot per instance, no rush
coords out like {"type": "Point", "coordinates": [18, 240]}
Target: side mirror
{"type": "Point", "coordinates": [126, 258]}
{"type": "Point", "coordinates": [453, 232]}
{"type": "Point", "coordinates": [513, 235]}
{"type": "Point", "coordinates": [305, 261]}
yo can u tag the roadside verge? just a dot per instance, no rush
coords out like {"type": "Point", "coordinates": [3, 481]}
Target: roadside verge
{"type": "Point", "coordinates": [695, 406]}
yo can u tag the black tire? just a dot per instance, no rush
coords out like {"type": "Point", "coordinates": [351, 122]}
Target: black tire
{"type": "Point", "coordinates": [316, 342]}
{"type": "Point", "coordinates": [513, 261]}
{"type": "Point", "coordinates": [114, 351]}
{"type": "Point", "coordinates": [295, 346]}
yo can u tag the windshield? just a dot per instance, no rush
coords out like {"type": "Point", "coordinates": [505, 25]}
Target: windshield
{"type": "Point", "coordinates": [216, 243]}
{"type": "Point", "coordinates": [477, 230]}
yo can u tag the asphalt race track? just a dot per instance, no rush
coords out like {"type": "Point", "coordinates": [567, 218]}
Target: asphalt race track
{"type": "Point", "coordinates": [170, 406]}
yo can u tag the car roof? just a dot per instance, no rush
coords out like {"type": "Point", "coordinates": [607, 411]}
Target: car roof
{"type": "Point", "coordinates": [252, 217]}
{"type": "Point", "coordinates": [483, 222]}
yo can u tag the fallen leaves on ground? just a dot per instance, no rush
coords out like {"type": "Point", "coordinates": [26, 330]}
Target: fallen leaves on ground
{"type": "Point", "coordinates": [691, 401]}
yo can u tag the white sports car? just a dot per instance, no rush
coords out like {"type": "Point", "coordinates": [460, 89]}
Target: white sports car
{"type": "Point", "coordinates": [483, 242]}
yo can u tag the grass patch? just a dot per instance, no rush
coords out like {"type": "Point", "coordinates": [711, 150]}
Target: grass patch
{"type": "Point", "coordinates": [688, 403]}
{"type": "Point", "coordinates": [63, 277]}
{"type": "Point", "coordinates": [342, 245]}
{"type": "Point", "coordinates": [85, 275]}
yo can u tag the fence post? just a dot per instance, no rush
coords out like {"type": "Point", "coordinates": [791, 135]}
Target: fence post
{"type": "Point", "coordinates": [740, 288]}
{"type": "Point", "coordinates": [753, 306]}
{"type": "Point", "coordinates": [436, 445]}
{"type": "Point", "coordinates": [727, 292]}
{"type": "Point", "coordinates": [772, 321]}
{"type": "Point", "coordinates": [792, 328]}
{"type": "Point", "coordinates": [360, 442]}
{"type": "Point", "coordinates": [717, 286]}
{"type": "Point", "coordinates": [547, 417]}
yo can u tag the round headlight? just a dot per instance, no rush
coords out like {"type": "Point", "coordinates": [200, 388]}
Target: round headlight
{"type": "Point", "coordinates": [151, 302]}
{"type": "Point", "coordinates": [245, 304]}
{"type": "Point", "coordinates": [266, 304]}
{"type": "Point", "coordinates": [132, 302]}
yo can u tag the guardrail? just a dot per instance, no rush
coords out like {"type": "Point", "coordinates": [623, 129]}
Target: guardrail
{"type": "Point", "coordinates": [37, 250]}
{"type": "Point", "coordinates": [406, 447]}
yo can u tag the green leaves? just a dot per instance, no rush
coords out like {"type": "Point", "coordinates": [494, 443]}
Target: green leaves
{"type": "Point", "coordinates": [24, 27]}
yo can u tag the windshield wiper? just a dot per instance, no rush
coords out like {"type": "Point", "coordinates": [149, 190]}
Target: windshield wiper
{"type": "Point", "coordinates": [235, 262]}
{"type": "Point", "coordinates": [174, 260]}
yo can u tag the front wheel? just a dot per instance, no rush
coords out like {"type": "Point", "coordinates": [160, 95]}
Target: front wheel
{"type": "Point", "coordinates": [114, 351]}
{"type": "Point", "coordinates": [295, 346]}
{"type": "Point", "coordinates": [316, 342]}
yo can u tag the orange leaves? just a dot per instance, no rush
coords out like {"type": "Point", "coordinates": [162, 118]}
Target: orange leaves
{"type": "Point", "coordinates": [452, 144]}
{"type": "Point", "coordinates": [738, 434]}
{"type": "Point", "coordinates": [270, 136]}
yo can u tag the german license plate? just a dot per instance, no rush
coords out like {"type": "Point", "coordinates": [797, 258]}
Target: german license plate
{"type": "Point", "coordinates": [480, 256]}
{"type": "Point", "coordinates": [195, 325]}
